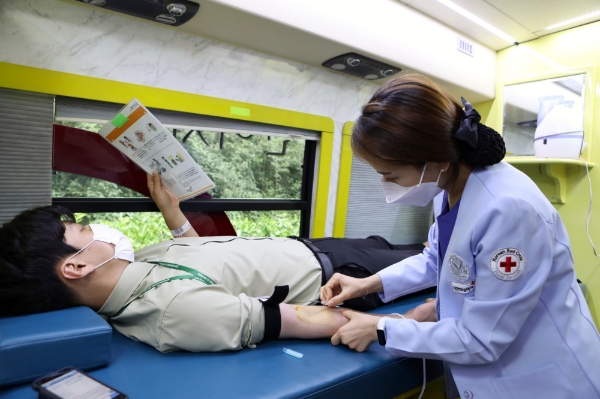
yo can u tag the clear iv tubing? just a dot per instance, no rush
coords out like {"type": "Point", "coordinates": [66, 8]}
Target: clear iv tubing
{"type": "Point", "coordinates": [424, 380]}
{"type": "Point", "coordinates": [587, 222]}
{"type": "Point", "coordinates": [424, 372]}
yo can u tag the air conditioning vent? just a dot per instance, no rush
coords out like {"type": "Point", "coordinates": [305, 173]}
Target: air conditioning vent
{"type": "Point", "coordinates": [166, 19]}
{"type": "Point", "coordinates": [464, 46]}
{"type": "Point", "coordinates": [170, 12]}
{"type": "Point", "coordinates": [361, 66]}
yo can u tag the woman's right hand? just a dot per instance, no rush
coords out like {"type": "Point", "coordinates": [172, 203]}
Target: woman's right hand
{"type": "Point", "coordinates": [341, 288]}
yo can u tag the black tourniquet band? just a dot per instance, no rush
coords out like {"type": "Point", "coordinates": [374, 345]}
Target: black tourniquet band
{"type": "Point", "coordinates": [272, 312]}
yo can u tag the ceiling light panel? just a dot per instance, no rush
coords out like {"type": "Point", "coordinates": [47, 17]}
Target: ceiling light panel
{"type": "Point", "coordinates": [470, 29]}
{"type": "Point", "coordinates": [474, 18]}
{"type": "Point", "coordinates": [537, 15]}
{"type": "Point", "coordinates": [569, 22]}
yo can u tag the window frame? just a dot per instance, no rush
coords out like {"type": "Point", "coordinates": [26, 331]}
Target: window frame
{"type": "Point", "coordinates": [57, 83]}
{"type": "Point", "coordinates": [304, 204]}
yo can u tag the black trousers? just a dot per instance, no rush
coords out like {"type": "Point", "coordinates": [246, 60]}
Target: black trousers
{"type": "Point", "coordinates": [362, 258]}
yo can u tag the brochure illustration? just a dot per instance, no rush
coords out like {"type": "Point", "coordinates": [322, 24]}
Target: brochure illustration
{"type": "Point", "coordinates": [141, 137]}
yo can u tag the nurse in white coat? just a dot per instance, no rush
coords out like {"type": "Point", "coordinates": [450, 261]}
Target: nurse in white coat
{"type": "Point", "coordinates": [512, 320]}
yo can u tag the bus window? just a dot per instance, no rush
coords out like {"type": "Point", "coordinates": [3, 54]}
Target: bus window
{"type": "Point", "coordinates": [264, 181]}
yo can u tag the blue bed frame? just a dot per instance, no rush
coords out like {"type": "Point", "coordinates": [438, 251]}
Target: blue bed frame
{"type": "Point", "coordinates": [325, 371]}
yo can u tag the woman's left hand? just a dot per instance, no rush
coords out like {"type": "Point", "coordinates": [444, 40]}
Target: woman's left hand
{"type": "Point", "coordinates": [161, 196]}
{"type": "Point", "coordinates": [359, 333]}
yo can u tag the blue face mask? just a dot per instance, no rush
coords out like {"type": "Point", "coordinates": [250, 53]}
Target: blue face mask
{"type": "Point", "coordinates": [419, 195]}
{"type": "Point", "coordinates": [123, 247]}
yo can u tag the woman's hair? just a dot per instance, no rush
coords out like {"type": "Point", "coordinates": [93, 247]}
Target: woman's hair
{"type": "Point", "coordinates": [412, 120]}
{"type": "Point", "coordinates": [31, 247]}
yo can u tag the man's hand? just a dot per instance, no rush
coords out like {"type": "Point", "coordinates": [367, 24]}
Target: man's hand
{"type": "Point", "coordinates": [168, 204]}
{"type": "Point", "coordinates": [163, 198]}
{"type": "Point", "coordinates": [341, 288]}
{"type": "Point", "coordinates": [359, 333]}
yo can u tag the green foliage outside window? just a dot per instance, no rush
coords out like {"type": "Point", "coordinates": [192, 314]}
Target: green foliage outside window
{"type": "Point", "coordinates": [265, 223]}
{"type": "Point", "coordinates": [240, 169]}
{"type": "Point", "coordinates": [142, 228]}
{"type": "Point", "coordinates": [147, 228]}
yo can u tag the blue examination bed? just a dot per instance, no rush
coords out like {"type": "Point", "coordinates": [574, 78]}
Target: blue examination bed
{"type": "Point", "coordinates": [325, 371]}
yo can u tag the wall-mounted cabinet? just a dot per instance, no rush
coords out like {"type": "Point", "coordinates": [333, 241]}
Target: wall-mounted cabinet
{"type": "Point", "coordinates": [545, 116]}
{"type": "Point", "coordinates": [529, 107]}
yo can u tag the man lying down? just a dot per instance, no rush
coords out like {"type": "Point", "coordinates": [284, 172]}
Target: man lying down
{"type": "Point", "coordinates": [191, 293]}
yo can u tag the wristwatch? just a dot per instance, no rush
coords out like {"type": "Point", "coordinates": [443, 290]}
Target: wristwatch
{"type": "Point", "coordinates": [381, 331]}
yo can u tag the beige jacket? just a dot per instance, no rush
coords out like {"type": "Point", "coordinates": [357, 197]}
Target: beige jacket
{"type": "Point", "coordinates": [193, 316]}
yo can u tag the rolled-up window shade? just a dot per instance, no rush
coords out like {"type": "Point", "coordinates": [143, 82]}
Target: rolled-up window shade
{"type": "Point", "coordinates": [370, 214]}
{"type": "Point", "coordinates": [25, 150]}
{"type": "Point", "coordinates": [77, 109]}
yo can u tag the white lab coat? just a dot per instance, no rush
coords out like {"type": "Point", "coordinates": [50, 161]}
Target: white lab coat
{"type": "Point", "coordinates": [522, 331]}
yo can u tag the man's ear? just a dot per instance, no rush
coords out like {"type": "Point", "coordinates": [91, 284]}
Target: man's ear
{"type": "Point", "coordinates": [73, 269]}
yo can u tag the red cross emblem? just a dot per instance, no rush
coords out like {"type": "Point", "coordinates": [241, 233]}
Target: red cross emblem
{"type": "Point", "coordinates": [508, 265]}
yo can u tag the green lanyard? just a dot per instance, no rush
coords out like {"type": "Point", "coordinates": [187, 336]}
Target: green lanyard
{"type": "Point", "coordinates": [193, 275]}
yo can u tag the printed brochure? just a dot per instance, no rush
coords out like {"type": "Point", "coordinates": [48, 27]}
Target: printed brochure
{"type": "Point", "coordinates": [142, 138]}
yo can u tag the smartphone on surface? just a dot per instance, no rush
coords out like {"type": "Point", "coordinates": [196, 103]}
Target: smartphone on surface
{"type": "Point", "coordinates": [70, 383]}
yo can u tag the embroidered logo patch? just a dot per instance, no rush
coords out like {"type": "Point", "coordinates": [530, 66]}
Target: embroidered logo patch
{"type": "Point", "coordinates": [508, 264]}
{"type": "Point", "coordinates": [463, 288]}
{"type": "Point", "coordinates": [458, 267]}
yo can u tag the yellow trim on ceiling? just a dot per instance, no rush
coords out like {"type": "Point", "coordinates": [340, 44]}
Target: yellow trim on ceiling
{"type": "Point", "coordinates": [343, 188]}
{"type": "Point", "coordinates": [39, 80]}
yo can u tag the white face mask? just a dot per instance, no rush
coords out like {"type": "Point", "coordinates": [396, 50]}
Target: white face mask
{"type": "Point", "coordinates": [123, 247]}
{"type": "Point", "coordinates": [419, 195]}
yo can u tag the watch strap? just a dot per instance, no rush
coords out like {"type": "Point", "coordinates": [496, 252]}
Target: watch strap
{"type": "Point", "coordinates": [381, 331]}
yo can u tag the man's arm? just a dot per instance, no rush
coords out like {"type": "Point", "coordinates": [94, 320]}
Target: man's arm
{"type": "Point", "coordinates": [210, 319]}
{"type": "Point", "coordinates": [168, 205]}
{"type": "Point", "coordinates": [309, 322]}
{"type": "Point", "coordinates": [423, 312]}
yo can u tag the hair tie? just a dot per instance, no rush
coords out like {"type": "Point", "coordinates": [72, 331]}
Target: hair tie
{"type": "Point", "coordinates": [467, 131]}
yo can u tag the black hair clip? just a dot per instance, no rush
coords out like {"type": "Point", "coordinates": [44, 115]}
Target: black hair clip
{"type": "Point", "coordinates": [467, 131]}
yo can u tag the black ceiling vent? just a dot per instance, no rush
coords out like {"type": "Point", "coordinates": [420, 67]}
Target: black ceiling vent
{"type": "Point", "coordinates": [168, 12]}
{"type": "Point", "coordinates": [361, 66]}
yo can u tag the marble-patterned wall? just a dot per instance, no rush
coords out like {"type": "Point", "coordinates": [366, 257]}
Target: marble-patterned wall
{"type": "Point", "coordinates": [68, 37]}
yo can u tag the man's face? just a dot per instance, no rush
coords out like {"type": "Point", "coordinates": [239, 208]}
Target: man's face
{"type": "Point", "coordinates": [79, 236]}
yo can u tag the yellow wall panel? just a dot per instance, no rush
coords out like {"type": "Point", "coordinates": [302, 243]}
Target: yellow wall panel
{"type": "Point", "coordinates": [343, 188]}
{"type": "Point", "coordinates": [565, 53]}
{"type": "Point", "coordinates": [323, 179]}
{"type": "Point", "coordinates": [484, 110]}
